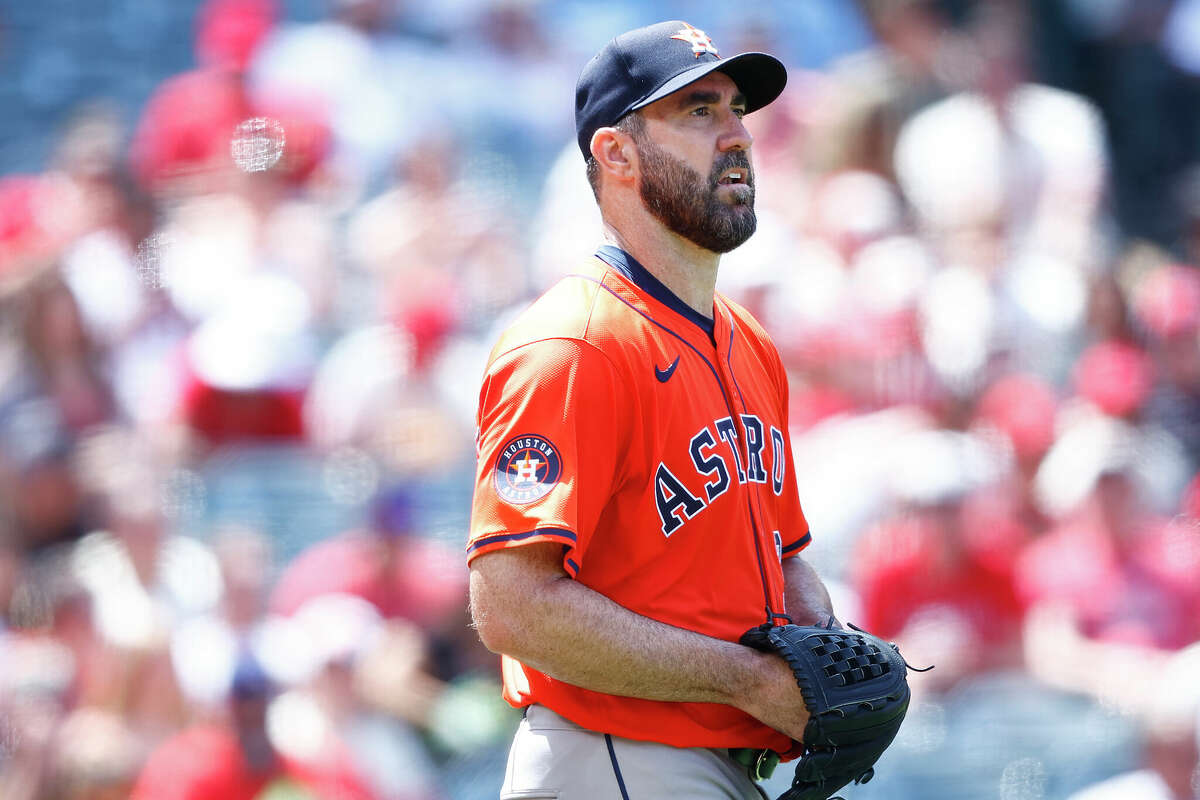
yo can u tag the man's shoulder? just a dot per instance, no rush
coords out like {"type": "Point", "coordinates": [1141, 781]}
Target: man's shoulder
{"type": "Point", "coordinates": [742, 317]}
{"type": "Point", "coordinates": [578, 306]}
{"type": "Point", "coordinates": [749, 326]}
{"type": "Point", "coordinates": [561, 311]}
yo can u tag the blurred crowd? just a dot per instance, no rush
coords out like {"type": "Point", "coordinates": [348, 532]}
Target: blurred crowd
{"type": "Point", "coordinates": [241, 336]}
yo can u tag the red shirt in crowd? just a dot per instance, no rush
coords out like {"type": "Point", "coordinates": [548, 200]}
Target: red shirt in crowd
{"type": "Point", "coordinates": [206, 762]}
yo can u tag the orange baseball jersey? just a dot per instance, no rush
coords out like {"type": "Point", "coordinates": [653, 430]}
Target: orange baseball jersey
{"type": "Point", "coordinates": [651, 442]}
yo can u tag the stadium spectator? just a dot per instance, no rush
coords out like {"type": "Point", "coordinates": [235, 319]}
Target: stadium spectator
{"type": "Point", "coordinates": [354, 68]}
{"type": "Point", "coordinates": [1107, 561]}
{"type": "Point", "coordinates": [925, 576]}
{"type": "Point", "coordinates": [370, 691]}
{"type": "Point", "coordinates": [183, 140]}
{"type": "Point", "coordinates": [1166, 303]}
{"type": "Point", "coordinates": [235, 758]}
{"type": "Point", "coordinates": [388, 564]}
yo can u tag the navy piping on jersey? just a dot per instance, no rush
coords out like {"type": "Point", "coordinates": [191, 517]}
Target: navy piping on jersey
{"type": "Point", "coordinates": [628, 266]}
{"type": "Point", "coordinates": [753, 498]}
{"type": "Point", "coordinates": [742, 399]}
{"type": "Point", "coordinates": [803, 540]}
{"type": "Point", "coordinates": [555, 533]}
{"type": "Point", "coordinates": [612, 756]}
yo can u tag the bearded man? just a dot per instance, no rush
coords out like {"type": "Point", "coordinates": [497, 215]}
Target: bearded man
{"type": "Point", "coordinates": [635, 510]}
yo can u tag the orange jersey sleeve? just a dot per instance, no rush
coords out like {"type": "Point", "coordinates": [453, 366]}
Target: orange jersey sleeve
{"type": "Point", "coordinates": [551, 423]}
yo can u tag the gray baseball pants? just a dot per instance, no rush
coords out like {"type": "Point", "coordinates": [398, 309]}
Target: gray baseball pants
{"type": "Point", "coordinates": [552, 758]}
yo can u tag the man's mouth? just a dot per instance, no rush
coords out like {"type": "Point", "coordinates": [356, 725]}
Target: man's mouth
{"type": "Point", "coordinates": [732, 177]}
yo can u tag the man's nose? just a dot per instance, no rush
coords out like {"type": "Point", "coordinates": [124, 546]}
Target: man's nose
{"type": "Point", "coordinates": [735, 136]}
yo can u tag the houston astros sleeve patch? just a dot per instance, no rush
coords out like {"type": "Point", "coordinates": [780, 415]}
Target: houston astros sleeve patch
{"type": "Point", "coordinates": [527, 468]}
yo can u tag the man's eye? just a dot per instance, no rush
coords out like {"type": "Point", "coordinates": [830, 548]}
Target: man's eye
{"type": "Point", "coordinates": [702, 111]}
{"type": "Point", "coordinates": [739, 112]}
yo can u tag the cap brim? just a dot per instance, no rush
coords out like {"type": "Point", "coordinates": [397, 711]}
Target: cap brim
{"type": "Point", "coordinates": [759, 76]}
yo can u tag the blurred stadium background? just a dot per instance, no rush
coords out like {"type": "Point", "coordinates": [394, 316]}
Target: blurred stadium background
{"type": "Point", "coordinates": [252, 257]}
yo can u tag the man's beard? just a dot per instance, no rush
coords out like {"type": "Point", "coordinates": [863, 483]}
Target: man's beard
{"type": "Point", "coordinates": [688, 204]}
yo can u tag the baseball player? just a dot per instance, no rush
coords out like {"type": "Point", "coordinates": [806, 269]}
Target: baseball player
{"type": "Point", "coordinates": [635, 511]}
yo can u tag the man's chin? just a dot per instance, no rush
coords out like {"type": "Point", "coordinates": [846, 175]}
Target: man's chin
{"type": "Point", "coordinates": [742, 217]}
{"type": "Point", "coordinates": [731, 241]}
{"type": "Point", "coordinates": [735, 194]}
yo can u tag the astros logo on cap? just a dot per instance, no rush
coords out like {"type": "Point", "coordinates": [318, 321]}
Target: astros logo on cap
{"type": "Point", "coordinates": [527, 468]}
{"type": "Point", "coordinates": [698, 39]}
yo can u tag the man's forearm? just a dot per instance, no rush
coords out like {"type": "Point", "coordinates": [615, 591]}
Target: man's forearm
{"type": "Point", "coordinates": [575, 634]}
{"type": "Point", "coordinates": [525, 606]}
{"type": "Point", "coordinates": [805, 594]}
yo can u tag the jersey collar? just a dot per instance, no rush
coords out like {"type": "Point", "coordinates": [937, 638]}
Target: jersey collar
{"type": "Point", "coordinates": [629, 266]}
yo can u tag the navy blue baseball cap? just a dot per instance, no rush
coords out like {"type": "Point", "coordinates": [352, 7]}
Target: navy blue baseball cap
{"type": "Point", "coordinates": [647, 64]}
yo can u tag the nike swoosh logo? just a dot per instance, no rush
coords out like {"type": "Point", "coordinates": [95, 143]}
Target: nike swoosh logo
{"type": "Point", "coordinates": [664, 375]}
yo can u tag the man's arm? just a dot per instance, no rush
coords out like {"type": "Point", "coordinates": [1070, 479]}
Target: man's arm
{"type": "Point", "coordinates": [804, 593]}
{"type": "Point", "coordinates": [524, 605]}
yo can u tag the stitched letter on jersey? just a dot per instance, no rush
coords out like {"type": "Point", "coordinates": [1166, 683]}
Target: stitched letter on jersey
{"type": "Point", "coordinates": [677, 503]}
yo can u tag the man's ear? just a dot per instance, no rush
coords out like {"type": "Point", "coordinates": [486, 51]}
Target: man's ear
{"type": "Point", "coordinates": [615, 152]}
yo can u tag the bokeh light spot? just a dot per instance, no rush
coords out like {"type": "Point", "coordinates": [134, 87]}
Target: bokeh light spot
{"type": "Point", "coordinates": [258, 144]}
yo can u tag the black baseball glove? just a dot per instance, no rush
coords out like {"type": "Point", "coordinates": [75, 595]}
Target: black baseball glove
{"type": "Point", "coordinates": [856, 689]}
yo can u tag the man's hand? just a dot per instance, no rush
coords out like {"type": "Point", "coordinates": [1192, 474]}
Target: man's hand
{"type": "Point", "coordinates": [773, 697]}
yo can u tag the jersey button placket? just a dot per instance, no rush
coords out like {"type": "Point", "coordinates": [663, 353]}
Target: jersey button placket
{"type": "Point", "coordinates": [764, 550]}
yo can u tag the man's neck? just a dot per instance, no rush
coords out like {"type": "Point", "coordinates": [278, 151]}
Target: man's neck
{"type": "Point", "coordinates": [689, 271]}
